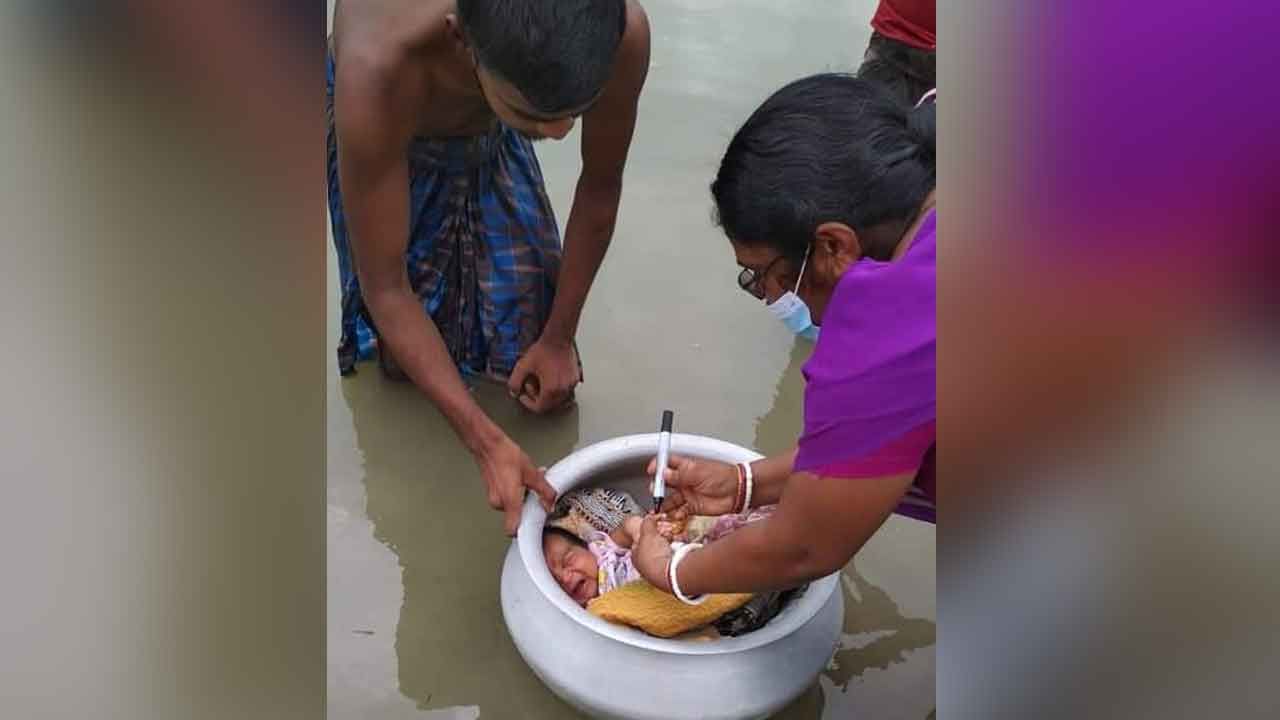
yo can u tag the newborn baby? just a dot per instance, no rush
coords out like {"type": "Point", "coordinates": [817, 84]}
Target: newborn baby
{"type": "Point", "coordinates": [587, 569]}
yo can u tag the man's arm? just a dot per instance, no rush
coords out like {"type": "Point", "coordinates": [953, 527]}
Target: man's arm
{"type": "Point", "coordinates": [606, 139]}
{"type": "Point", "coordinates": [371, 111]}
{"type": "Point", "coordinates": [373, 171]}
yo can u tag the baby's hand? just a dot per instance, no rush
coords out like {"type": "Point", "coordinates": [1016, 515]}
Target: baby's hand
{"type": "Point", "coordinates": [672, 525]}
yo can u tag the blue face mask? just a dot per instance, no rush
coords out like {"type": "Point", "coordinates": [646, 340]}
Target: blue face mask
{"type": "Point", "coordinates": [792, 311]}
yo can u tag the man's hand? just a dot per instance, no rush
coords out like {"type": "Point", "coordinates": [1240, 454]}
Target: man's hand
{"type": "Point", "coordinates": [507, 472]}
{"type": "Point", "coordinates": [701, 487]}
{"type": "Point", "coordinates": [544, 378]}
{"type": "Point", "coordinates": [651, 553]}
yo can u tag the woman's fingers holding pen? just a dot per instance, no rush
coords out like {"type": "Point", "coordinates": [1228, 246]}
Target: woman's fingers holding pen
{"type": "Point", "coordinates": [707, 487]}
{"type": "Point", "coordinates": [672, 474]}
{"type": "Point", "coordinates": [670, 480]}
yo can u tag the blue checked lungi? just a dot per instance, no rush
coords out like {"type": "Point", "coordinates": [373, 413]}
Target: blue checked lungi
{"type": "Point", "coordinates": [483, 253]}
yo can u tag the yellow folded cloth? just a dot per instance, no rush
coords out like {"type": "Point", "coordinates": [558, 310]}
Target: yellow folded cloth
{"type": "Point", "coordinates": [643, 606]}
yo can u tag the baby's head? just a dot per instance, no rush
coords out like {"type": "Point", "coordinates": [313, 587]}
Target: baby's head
{"type": "Point", "coordinates": [571, 564]}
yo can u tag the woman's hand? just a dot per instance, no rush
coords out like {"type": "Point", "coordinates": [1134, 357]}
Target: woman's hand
{"type": "Point", "coordinates": [651, 553]}
{"type": "Point", "coordinates": [705, 487]}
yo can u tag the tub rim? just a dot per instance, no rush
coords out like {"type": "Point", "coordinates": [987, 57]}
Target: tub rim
{"type": "Point", "coordinates": [578, 466]}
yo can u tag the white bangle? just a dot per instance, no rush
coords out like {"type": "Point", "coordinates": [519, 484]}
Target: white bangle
{"type": "Point", "coordinates": [746, 498]}
{"type": "Point", "coordinates": [682, 549]}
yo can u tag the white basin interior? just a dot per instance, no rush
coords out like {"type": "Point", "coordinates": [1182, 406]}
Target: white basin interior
{"type": "Point", "coordinates": [620, 463]}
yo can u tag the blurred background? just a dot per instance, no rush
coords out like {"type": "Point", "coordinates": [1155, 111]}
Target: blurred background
{"type": "Point", "coordinates": [163, 362]}
{"type": "Point", "coordinates": [1108, 356]}
{"type": "Point", "coordinates": [1109, 392]}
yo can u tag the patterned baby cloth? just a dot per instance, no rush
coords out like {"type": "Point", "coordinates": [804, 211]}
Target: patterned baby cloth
{"type": "Point", "coordinates": [589, 510]}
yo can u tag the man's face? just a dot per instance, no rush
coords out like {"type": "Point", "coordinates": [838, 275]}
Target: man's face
{"type": "Point", "coordinates": [515, 112]}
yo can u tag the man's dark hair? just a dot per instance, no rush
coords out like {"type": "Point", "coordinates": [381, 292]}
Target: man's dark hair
{"type": "Point", "coordinates": [827, 148]}
{"type": "Point", "coordinates": [557, 53]}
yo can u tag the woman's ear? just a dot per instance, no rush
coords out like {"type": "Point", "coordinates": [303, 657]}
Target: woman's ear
{"type": "Point", "coordinates": [836, 246]}
{"type": "Point", "coordinates": [454, 26]}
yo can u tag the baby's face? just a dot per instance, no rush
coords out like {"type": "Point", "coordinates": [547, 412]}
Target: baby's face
{"type": "Point", "coordinates": [573, 567]}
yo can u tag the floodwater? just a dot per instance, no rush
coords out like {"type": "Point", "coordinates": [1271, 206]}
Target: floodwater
{"type": "Point", "coordinates": [415, 627]}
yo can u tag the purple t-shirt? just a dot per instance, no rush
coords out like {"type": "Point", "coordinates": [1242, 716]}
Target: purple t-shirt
{"type": "Point", "coordinates": [870, 399]}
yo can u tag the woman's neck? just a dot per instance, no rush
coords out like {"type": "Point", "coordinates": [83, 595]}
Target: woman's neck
{"type": "Point", "coordinates": [909, 235]}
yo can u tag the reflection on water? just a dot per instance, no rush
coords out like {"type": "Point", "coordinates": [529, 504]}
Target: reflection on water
{"type": "Point", "coordinates": [778, 429]}
{"type": "Point", "coordinates": [876, 635]}
{"type": "Point", "coordinates": [427, 504]}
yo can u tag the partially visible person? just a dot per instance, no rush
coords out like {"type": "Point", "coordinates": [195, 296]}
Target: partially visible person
{"type": "Point", "coordinates": [448, 251]}
{"type": "Point", "coordinates": [904, 44]}
{"type": "Point", "coordinates": [828, 197]}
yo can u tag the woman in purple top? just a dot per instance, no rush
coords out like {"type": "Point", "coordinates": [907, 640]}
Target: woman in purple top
{"type": "Point", "coordinates": [827, 196]}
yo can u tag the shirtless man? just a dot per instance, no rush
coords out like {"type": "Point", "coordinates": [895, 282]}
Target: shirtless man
{"type": "Point", "coordinates": [448, 251]}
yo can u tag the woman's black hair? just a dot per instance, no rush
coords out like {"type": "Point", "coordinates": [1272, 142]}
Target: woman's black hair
{"type": "Point", "coordinates": [826, 148]}
{"type": "Point", "coordinates": [552, 530]}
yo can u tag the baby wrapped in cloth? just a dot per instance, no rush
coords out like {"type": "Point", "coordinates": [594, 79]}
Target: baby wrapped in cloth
{"type": "Point", "coordinates": [587, 545]}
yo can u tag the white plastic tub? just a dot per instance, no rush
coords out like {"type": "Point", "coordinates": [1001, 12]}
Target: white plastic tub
{"type": "Point", "coordinates": [611, 671]}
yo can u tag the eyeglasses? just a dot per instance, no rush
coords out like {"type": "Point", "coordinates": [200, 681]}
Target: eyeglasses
{"type": "Point", "coordinates": [750, 281]}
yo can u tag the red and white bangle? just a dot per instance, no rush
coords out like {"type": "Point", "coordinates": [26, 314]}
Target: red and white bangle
{"type": "Point", "coordinates": [682, 549]}
{"type": "Point", "coordinates": [744, 472]}
{"type": "Point", "coordinates": [740, 493]}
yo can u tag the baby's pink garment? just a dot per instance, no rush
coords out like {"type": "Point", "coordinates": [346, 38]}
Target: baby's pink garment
{"type": "Point", "coordinates": [613, 561]}
{"type": "Point", "coordinates": [726, 524]}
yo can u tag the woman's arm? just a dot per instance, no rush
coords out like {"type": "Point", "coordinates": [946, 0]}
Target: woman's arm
{"type": "Point", "coordinates": [769, 477]}
{"type": "Point", "coordinates": [819, 525]}
{"type": "Point", "coordinates": [669, 526]}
